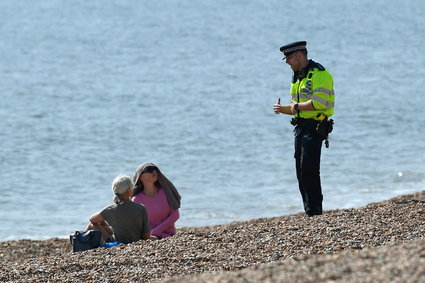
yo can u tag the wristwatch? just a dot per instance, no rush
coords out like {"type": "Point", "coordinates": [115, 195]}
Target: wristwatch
{"type": "Point", "coordinates": [296, 106]}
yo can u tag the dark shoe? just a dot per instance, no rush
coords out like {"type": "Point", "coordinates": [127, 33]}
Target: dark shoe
{"type": "Point", "coordinates": [311, 213]}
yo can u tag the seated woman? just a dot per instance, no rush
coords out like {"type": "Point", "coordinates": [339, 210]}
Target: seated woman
{"type": "Point", "coordinates": [159, 196]}
{"type": "Point", "coordinates": [129, 220]}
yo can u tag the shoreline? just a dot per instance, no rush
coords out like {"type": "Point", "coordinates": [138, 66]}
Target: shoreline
{"type": "Point", "coordinates": [61, 237]}
{"type": "Point", "coordinates": [389, 234]}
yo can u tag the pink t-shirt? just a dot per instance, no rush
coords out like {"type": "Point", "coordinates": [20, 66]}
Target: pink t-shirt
{"type": "Point", "coordinates": [162, 217]}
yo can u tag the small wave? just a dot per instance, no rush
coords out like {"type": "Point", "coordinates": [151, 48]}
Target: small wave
{"type": "Point", "coordinates": [409, 176]}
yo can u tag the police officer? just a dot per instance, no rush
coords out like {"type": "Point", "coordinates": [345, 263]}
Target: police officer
{"type": "Point", "coordinates": [312, 103]}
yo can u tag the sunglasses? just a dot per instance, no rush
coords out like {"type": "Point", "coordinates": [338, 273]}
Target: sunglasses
{"type": "Point", "coordinates": [150, 170]}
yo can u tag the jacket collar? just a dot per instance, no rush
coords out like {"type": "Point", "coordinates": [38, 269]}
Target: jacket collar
{"type": "Point", "coordinates": [301, 74]}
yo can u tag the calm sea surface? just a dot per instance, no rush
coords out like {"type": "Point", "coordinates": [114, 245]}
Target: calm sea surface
{"type": "Point", "coordinates": [91, 89]}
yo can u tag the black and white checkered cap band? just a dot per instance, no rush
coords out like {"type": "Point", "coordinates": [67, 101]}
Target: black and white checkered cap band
{"type": "Point", "coordinates": [293, 49]}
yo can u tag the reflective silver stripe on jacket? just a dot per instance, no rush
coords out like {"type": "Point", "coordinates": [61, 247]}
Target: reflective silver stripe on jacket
{"type": "Point", "coordinates": [302, 96]}
{"type": "Point", "coordinates": [317, 98]}
{"type": "Point", "coordinates": [325, 91]}
{"type": "Point", "coordinates": [323, 101]}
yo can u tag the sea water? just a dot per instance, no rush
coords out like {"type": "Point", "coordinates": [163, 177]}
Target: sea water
{"type": "Point", "coordinates": [90, 90]}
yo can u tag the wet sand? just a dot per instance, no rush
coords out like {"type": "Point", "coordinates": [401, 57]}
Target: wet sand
{"type": "Point", "coordinates": [382, 241]}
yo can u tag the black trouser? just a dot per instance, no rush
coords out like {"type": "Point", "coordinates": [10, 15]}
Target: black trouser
{"type": "Point", "coordinates": [308, 146]}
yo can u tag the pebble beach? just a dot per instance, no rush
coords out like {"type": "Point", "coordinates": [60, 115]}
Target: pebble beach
{"type": "Point", "coordinates": [380, 242]}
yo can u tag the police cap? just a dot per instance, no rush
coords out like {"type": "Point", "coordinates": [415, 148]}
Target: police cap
{"type": "Point", "coordinates": [290, 48]}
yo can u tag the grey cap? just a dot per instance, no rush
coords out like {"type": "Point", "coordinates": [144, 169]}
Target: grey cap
{"type": "Point", "coordinates": [120, 185]}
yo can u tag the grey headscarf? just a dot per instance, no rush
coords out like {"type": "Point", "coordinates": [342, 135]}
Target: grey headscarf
{"type": "Point", "coordinates": [171, 192]}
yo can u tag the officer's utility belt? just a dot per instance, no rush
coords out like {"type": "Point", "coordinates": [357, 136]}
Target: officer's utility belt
{"type": "Point", "coordinates": [323, 127]}
{"type": "Point", "coordinates": [305, 123]}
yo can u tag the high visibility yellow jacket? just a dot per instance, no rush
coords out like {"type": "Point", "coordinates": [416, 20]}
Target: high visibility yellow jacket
{"type": "Point", "coordinates": [314, 83]}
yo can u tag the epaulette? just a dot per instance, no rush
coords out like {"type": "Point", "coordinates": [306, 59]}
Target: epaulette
{"type": "Point", "coordinates": [301, 74]}
{"type": "Point", "coordinates": [320, 67]}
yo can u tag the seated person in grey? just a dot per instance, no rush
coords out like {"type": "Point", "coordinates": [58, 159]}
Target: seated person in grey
{"type": "Point", "coordinates": [124, 221]}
